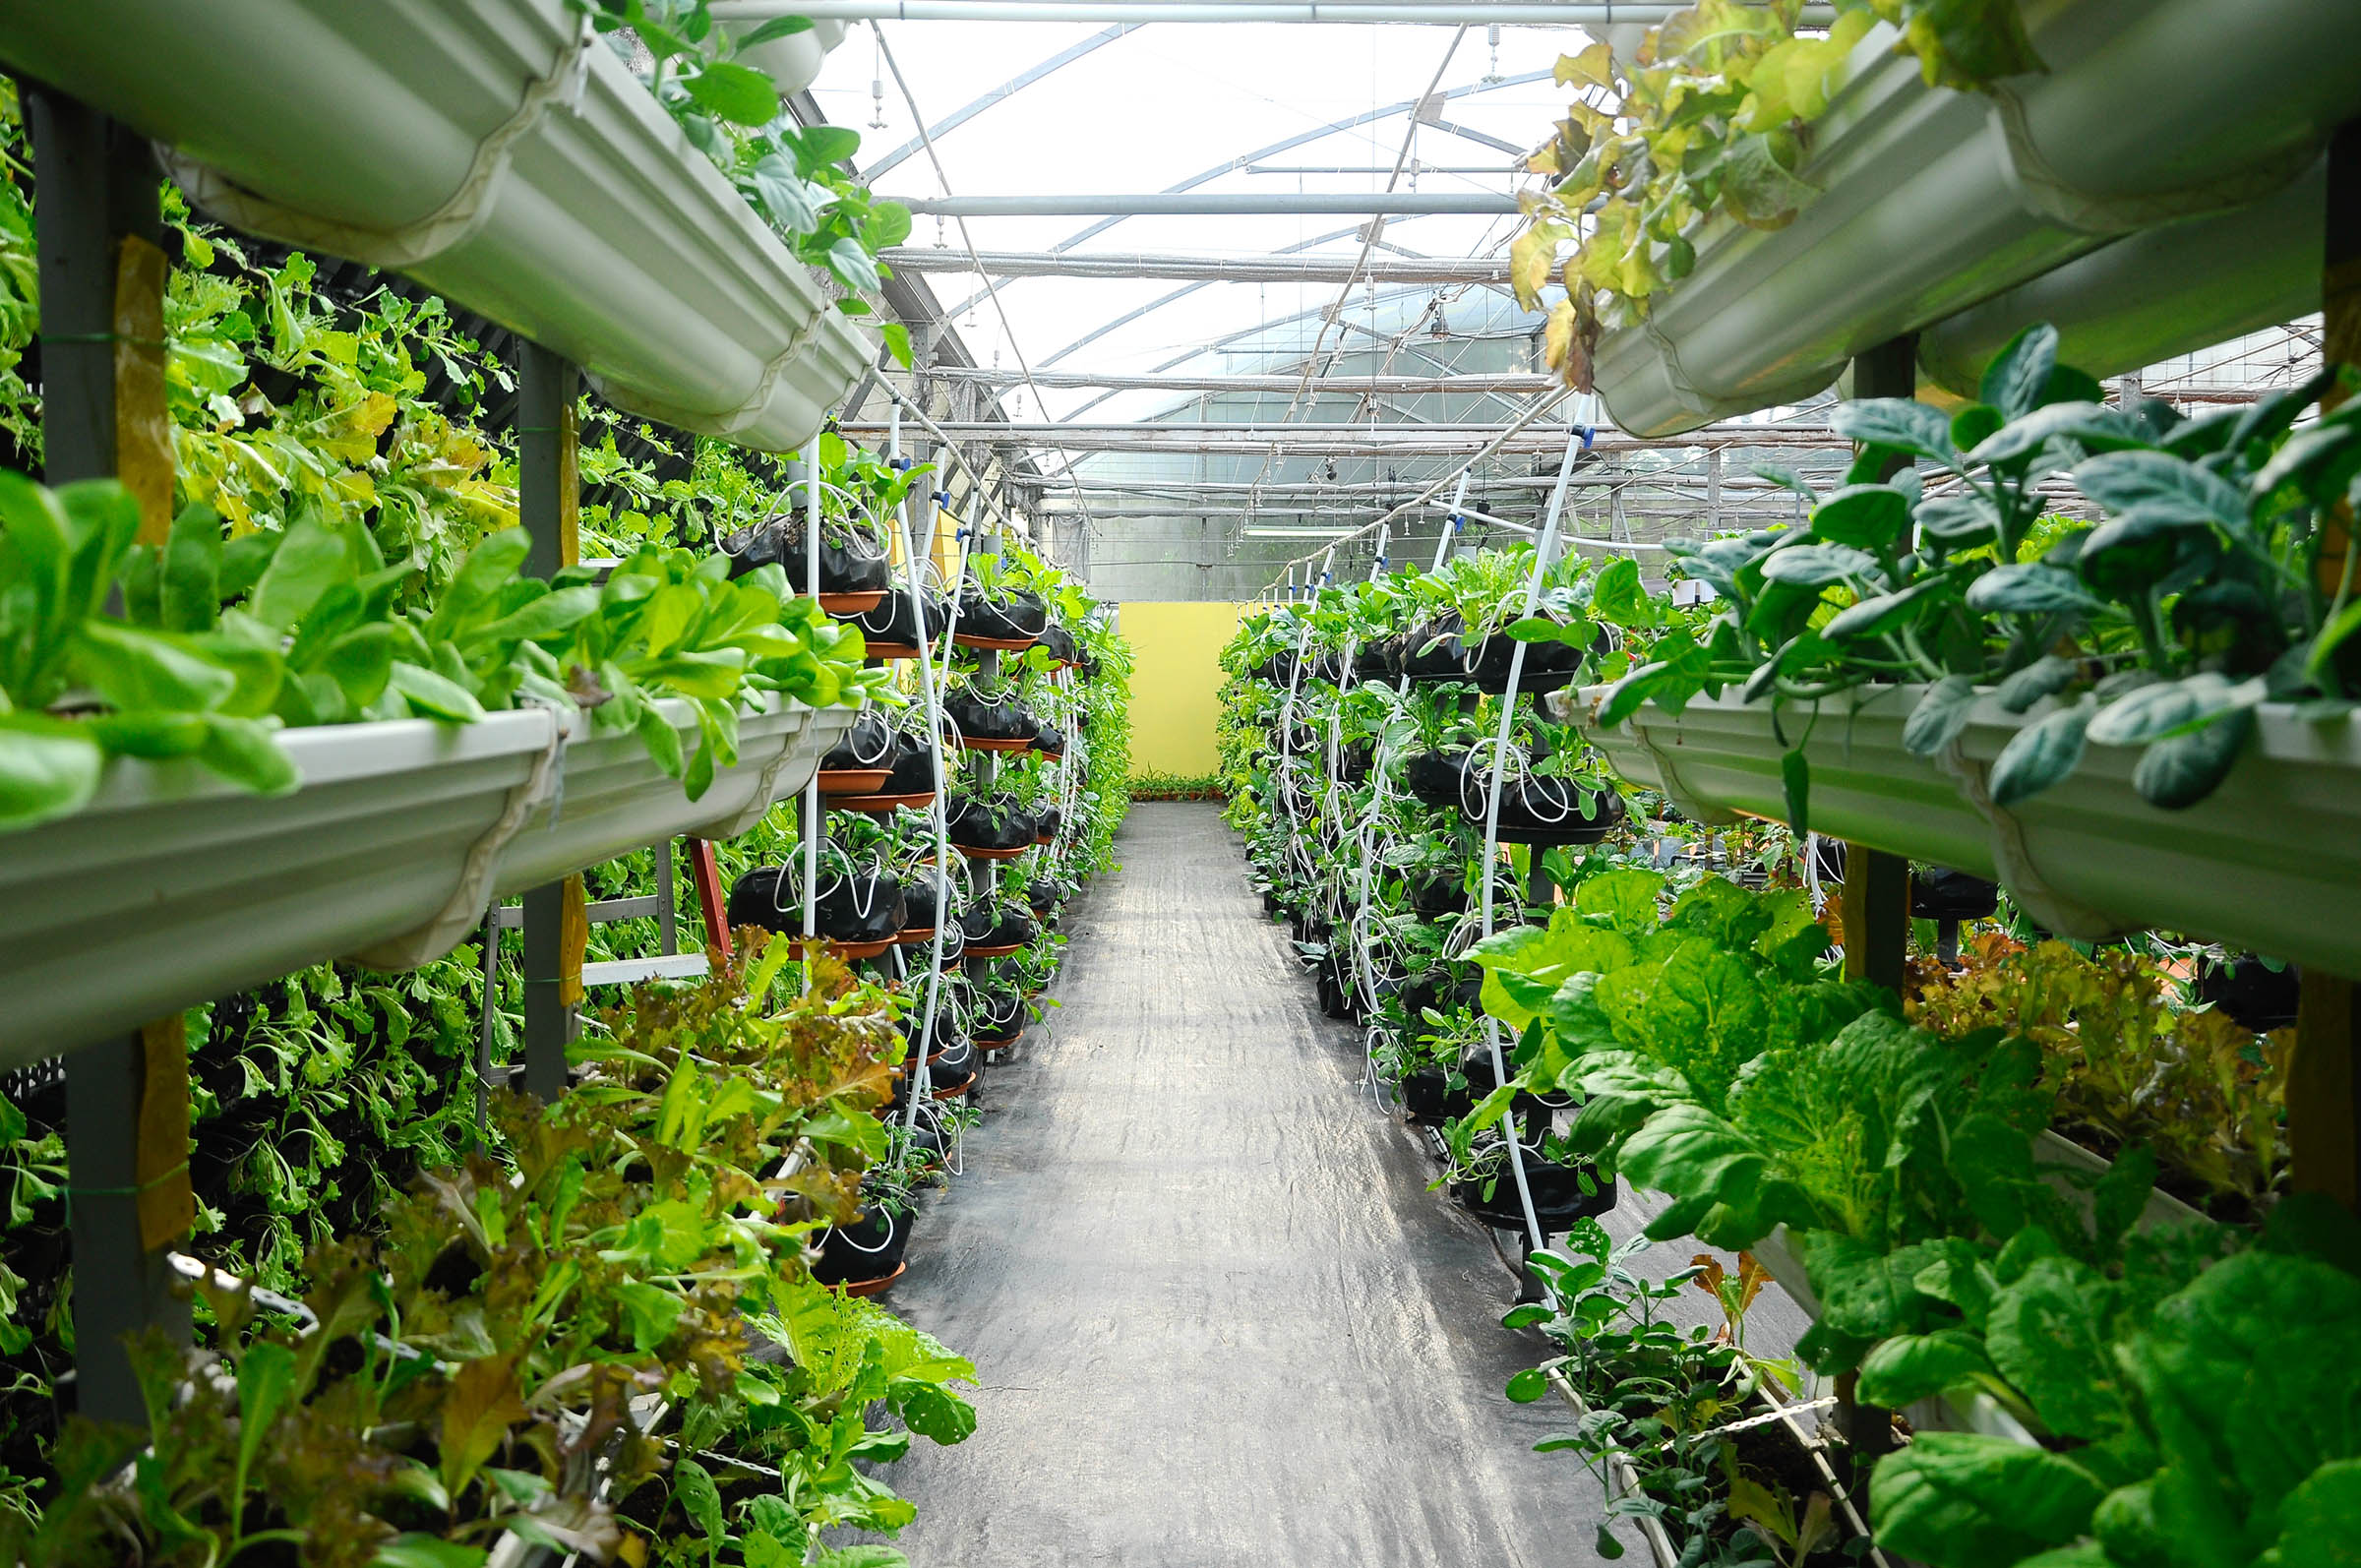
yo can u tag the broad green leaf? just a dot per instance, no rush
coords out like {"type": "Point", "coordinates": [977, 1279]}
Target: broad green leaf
{"type": "Point", "coordinates": [2168, 707]}
{"type": "Point", "coordinates": [46, 772]}
{"type": "Point", "coordinates": [2121, 480]}
{"type": "Point", "coordinates": [1913, 1366]}
{"type": "Point", "coordinates": [265, 1383]}
{"type": "Point", "coordinates": [2038, 755]}
{"type": "Point", "coordinates": [310, 561]}
{"type": "Point", "coordinates": [2030, 588]}
{"type": "Point", "coordinates": [1813, 565]}
{"type": "Point", "coordinates": [2046, 675]}
{"type": "Point", "coordinates": [2048, 1336]}
{"type": "Point", "coordinates": [2014, 379]}
{"type": "Point", "coordinates": [418, 1550]}
{"type": "Point", "coordinates": [2180, 770]}
{"type": "Point", "coordinates": [1796, 784]}
{"type": "Point", "coordinates": [1865, 516]}
{"type": "Point", "coordinates": [1919, 429]}
{"type": "Point", "coordinates": [775, 27]}
{"type": "Point", "coordinates": [1625, 896]}
{"type": "Point", "coordinates": [190, 597]}
{"type": "Point", "coordinates": [434, 697]}
{"type": "Point", "coordinates": [135, 669]}
{"type": "Point", "coordinates": [1940, 717]}
{"type": "Point", "coordinates": [247, 751]}
{"type": "Point", "coordinates": [693, 1487]}
{"type": "Point", "coordinates": [1964, 1500]}
{"type": "Point", "coordinates": [738, 93]}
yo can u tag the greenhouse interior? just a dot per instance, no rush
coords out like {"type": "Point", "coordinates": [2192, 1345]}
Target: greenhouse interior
{"type": "Point", "coordinates": [872, 783]}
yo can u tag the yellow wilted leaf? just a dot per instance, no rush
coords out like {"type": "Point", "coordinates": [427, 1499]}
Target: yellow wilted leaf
{"type": "Point", "coordinates": [1531, 259]}
{"type": "Point", "coordinates": [1559, 336]}
{"type": "Point", "coordinates": [354, 487]}
{"type": "Point", "coordinates": [1593, 67]}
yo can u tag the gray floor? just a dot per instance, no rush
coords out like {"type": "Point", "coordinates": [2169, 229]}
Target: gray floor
{"type": "Point", "coordinates": [1219, 1319]}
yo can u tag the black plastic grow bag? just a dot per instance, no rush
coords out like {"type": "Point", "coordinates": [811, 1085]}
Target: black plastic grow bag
{"type": "Point", "coordinates": [1558, 1197]}
{"type": "Point", "coordinates": [999, 1016]}
{"type": "Point", "coordinates": [863, 907]}
{"type": "Point", "coordinates": [1060, 644]}
{"type": "Point", "coordinates": [2251, 993]}
{"type": "Point", "coordinates": [1941, 893]}
{"type": "Point", "coordinates": [1433, 653]}
{"type": "Point", "coordinates": [894, 624]}
{"type": "Point", "coordinates": [865, 1251]}
{"type": "Point", "coordinates": [996, 925]}
{"type": "Point", "coordinates": [991, 826]}
{"type": "Point", "coordinates": [1045, 823]}
{"type": "Point", "coordinates": [1430, 1101]}
{"type": "Point", "coordinates": [851, 566]}
{"type": "Point", "coordinates": [864, 748]}
{"type": "Point", "coordinates": [1017, 617]}
{"type": "Point", "coordinates": [1001, 720]}
{"type": "Point", "coordinates": [1050, 741]}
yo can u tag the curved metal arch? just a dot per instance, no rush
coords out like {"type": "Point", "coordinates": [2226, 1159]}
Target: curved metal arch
{"type": "Point", "coordinates": [1000, 94]}
{"type": "Point", "coordinates": [1157, 304]}
{"type": "Point", "coordinates": [1370, 117]}
{"type": "Point", "coordinates": [1220, 343]}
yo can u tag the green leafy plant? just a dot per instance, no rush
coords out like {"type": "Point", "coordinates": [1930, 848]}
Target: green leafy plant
{"type": "Point", "coordinates": [2214, 585]}
{"type": "Point", "coordinates": [1709, 120]}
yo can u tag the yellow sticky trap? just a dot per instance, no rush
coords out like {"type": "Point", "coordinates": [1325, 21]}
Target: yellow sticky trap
{"type": "Point", "coordinates": [167, 1206]}
{"type": "Point", "coordinates": [143, 420]}
{"type": "Point", "coordinates": [573, 941]}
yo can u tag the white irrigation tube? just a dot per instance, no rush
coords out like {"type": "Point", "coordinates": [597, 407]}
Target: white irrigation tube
{"type": "Point", "coordinates": [1442, 543]}
{"type": "Point", "coordinates": [1491, 822]}
{"type": "Point", "coordinates": [813, 821]}
{"type": "Point", "coordinates": [921, 1083]}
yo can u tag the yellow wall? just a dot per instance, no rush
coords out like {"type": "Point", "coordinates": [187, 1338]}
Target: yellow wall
{"type": "Point", "coordinates": [1175, 681]}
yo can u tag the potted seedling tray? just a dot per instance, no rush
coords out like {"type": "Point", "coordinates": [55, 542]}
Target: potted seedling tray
{"type": "Point", "coordinates": [2268, 863]}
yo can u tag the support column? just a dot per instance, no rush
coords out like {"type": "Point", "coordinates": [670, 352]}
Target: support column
{"type": "Point", "coordinates": [555, 919]}
{"type": "Point", "coordinates": [103, 407]}
{"type": "Point", "coordinates": [2324, 1090]}
{"type": "Point", "coordinates": [1875, 898]}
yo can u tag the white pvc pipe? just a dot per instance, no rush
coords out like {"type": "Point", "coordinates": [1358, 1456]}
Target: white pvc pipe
{"type": "Point", "coordinates": [812, 820]}
{"type": "Point", "coordinates": [1198, 204]}
{"type": "Point", "coordinates": [1491, 818]}
{"type": "Point", "coordinates": [923, 1084]}
{"type": "Point", "coordinates": [1517, 12]}
{"type": "Point", "coordinates": [1459, 501]}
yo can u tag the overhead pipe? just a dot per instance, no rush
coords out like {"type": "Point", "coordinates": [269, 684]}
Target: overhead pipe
{"type": "Point", "coordinates": [1198, 204]}
{"type": "Point", "coordinates": [1207, 269]}
{"type": "Point", "coordinates": [1466, 14]}
{"type": "Point", "coordinates": [1522, 383]}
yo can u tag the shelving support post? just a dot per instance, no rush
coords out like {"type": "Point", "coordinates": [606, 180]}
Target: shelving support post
{"type": "Point", "coordinates": [1876, 893]}
{"type": "Point", "coordinates": [556, 918]}
{"type": "Point", "coordinates": [102, 275]}
{"type": "Point", "coordinates": [2324, 1078]}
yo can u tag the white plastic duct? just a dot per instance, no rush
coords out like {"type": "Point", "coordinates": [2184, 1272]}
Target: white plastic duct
{"type": "Point", "coordinates": [2170, 290]}
{"type": "Point", "coordinates": [1933, 201]}
{"type": "Point", "coordinates": [792, 62]}
{"type": "Point", "coordinates": [497, 152]}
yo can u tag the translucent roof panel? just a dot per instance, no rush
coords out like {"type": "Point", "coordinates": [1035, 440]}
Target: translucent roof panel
{"type": "Point", "coordinates": [1270, 110]}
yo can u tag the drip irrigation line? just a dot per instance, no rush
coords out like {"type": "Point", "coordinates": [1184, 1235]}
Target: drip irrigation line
{"type": "Point", "coordinates": [1492, 831]}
